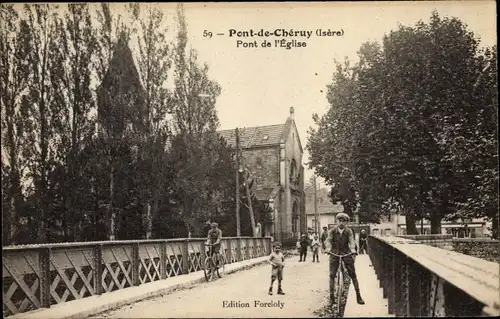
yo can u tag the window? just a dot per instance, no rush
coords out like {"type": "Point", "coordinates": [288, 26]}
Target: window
{"type": "Point", "coordinates": [295, 218]}
{"type": "Point", "coordinates": [292, 170]}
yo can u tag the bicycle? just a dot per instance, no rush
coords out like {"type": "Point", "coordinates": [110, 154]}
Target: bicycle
{"type": "Point", "coordinates": [338, 293]}
{"type": "Point", "coordinates": [210, 268]}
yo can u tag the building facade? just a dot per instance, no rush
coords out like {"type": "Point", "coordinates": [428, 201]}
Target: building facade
{"type": "Point", "coordinates": [273, 154]}
{"type": "Point", "coordinates": [326, 209]}
{"type": "Point", "coordinates": [395, 224]}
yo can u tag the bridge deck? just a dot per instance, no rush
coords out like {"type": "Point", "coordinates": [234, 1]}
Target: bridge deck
{"type": "Point", "coordinates": [305, 285]}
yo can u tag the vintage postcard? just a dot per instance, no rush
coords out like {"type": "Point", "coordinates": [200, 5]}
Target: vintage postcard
{"type": "Point", "coordinates": [249, 160]}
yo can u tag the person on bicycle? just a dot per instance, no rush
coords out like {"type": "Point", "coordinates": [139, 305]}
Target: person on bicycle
{"type": "Point", "coordinates": [340, 241]}
{"type": "Point", "coordinates": [213, 240]}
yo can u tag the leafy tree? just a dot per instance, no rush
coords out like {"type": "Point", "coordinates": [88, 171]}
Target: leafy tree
{"type": "Point", "coordinates": [42, 60]}
{"type": "Point", "coordinates": [14, 71]}
{"type": "Point", "coordinates": [153, 64]}
{"type": "Point", "coordinates": [195, 146]}
{"type": "Point", "coordinates": [395, 135]}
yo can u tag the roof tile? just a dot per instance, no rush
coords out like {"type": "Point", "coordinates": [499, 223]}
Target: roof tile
{"type": "Point", "coordinates": [255, 136]}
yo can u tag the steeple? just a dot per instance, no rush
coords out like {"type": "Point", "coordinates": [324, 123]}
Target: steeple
{"type": "Point", "coordinates": [292, 112]}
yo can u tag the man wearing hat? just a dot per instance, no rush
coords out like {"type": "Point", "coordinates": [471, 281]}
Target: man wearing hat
{"type": "Point", "coordinates": [214, 238]}
{"type": "Point", "coordinates": [340, 241]}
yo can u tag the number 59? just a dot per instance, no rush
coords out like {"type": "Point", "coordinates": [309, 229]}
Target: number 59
{"type": "Point", "coordinates": [207, 34]}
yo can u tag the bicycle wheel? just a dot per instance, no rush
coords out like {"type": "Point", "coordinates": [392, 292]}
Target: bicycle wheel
{"type": "Point", "coordinates": [340, 291]}
{"type": "Point", "coordinates": [221, 265]}
{"type": "Point", "coordinates": [208, 269]}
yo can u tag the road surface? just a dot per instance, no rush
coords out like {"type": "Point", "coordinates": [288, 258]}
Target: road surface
{"type": "Point", "coordinates": [244, 295]}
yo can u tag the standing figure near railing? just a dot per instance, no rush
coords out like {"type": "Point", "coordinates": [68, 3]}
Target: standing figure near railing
{"type": "Point", "coordinates": [324, 236]}
{"type": "Point", "coordinates": [362, 242]}
{"type": "Point", "coordinates": [315, 248]}
{"type": "Point", "coordinates": [303, 244]}
{"type": "Point", "coordinates": [214, 239]}
{"type": "Point", "coordinates": [341, 241]}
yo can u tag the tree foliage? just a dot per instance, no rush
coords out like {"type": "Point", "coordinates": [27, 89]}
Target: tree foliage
{"type": "Point", "coordinates": [412, 126]}
{"type": "Point", "coordinates": [94, 143]}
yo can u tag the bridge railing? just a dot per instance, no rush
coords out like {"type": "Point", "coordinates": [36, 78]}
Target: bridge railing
{"type": "Point", "coordinates": [36, 276]}
{"type": "Point", "coordinates": [421, 280]}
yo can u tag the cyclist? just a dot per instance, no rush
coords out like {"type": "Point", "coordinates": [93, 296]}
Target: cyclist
{"type": "Point", "coordinates": [340, 241]}
{"type": "Point", "coordinates": [213, 239]}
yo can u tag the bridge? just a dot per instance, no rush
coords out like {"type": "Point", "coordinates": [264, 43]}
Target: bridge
{"type": "Point", "coordinates": [164, 278]}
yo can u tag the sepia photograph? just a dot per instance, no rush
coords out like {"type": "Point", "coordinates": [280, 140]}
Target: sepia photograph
{"type": "Point", "coordinates": [249, 159]}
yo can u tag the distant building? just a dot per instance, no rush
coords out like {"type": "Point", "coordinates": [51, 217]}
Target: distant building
{"type": "Point", "coordinates": [395, 224]}
{"type": "Point", "coordinates": [273, 154]}
{"type": "Point", "coordinates": [326, 209]}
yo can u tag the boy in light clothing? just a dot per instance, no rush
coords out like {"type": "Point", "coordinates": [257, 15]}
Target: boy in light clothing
{"type": "Point", "coordinates": [315, 247]}
{"type": "Point", "coordinates": [277, 261]}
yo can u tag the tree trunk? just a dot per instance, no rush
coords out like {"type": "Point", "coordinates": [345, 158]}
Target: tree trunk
{"type": "Point", "coordinates": [435, 223]}
{"type": "Point", "coordinates": [411, 228]}
{"type": "Point", "coordinates": [494, 228]}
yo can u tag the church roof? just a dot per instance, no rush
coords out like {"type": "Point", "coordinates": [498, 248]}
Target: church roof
{"type": "Point", "coordinates": [258, 136]}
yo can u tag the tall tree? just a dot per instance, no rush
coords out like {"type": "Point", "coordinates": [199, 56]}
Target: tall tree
{"type": "Point", "coordinates": [194, 121]}
{"type": "Point", "coordinates": [14, 73]}
{"type": "Point", "coordinates": [153, 65]}
{"type": "Point", "coordinates": [41, 20]}
{"type": "Point", "coordinates": [76, 52]}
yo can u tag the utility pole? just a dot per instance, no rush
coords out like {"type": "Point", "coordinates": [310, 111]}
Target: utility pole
{"type": "Point", "coordinates": [238, 227]}
{"type": "Point", "coordinates": [315, 204]}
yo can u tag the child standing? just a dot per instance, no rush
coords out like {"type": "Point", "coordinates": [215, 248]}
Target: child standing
{"type": "Point", "coordinates": [277, 261]}
{"type": "Point", "coordinates": [315, 247]}
{"type": "Point", "coordinates": [304, 242]}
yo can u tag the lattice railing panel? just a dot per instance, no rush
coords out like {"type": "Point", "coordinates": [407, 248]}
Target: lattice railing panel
{"type": "Point", "coordinates": [196, 256]}
{"type": "Point", "coordinates": [21, 282]}
{"type": "Point", "coordinates": [150, 263]}
{"type": "Point", "coordinates": [117, 267]}
{"type": "Point", "coordinates": [71, 274]}
{"type": "Point", "coordinates": [173, 262]}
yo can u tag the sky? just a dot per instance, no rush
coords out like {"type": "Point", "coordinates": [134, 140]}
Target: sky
{"type": "Point", "coordinates": [259, 85]}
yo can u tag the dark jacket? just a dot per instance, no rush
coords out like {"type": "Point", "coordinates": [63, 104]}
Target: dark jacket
{"type": "Point", "coordinates": [341, 243]}
{"type": "Point", "coordinates": [304, 242]}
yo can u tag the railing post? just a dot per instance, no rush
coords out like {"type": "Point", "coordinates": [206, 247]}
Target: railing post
{"type": "Point", "coordinates": [135, 264]}
{"type": "Point", "coordinates": [398, 283]}
{"type": "Point", "coordinates": [97, 275]}
{"type": "Point", "coordinates": [254, 247]}
{"type": "Point", "coordinates": [269, 245]}
{"type": "Point", "coordinates": [391, 293]}
{"type": "Point", "coordinates": [414, 287]}
{"type": "Point", "coordinates": [386, 267]}
{"type": "Point", "coordinates": [163, 259]}
{"type": "Point", "coordinates": [425, 289]}
{"type": "Point", "coordinates": [44, 260]}
{"type": "Point", "coordinates": [229, 252]}
{"type": "Point", "coordinates": [185, 256]}
{"type": "Point", "coordinates": [239, 252]}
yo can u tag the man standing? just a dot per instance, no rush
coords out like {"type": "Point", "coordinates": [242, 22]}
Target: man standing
{"type": "Point", "coordinates": [324, 236]}
{"type": "Point", "coordinates": [362, 241]}
{"type": "Point", "coordinates": [340, 241]}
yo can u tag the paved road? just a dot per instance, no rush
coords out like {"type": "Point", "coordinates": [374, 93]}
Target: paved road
{"type": "Point", "coordinates": [305, 285]}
